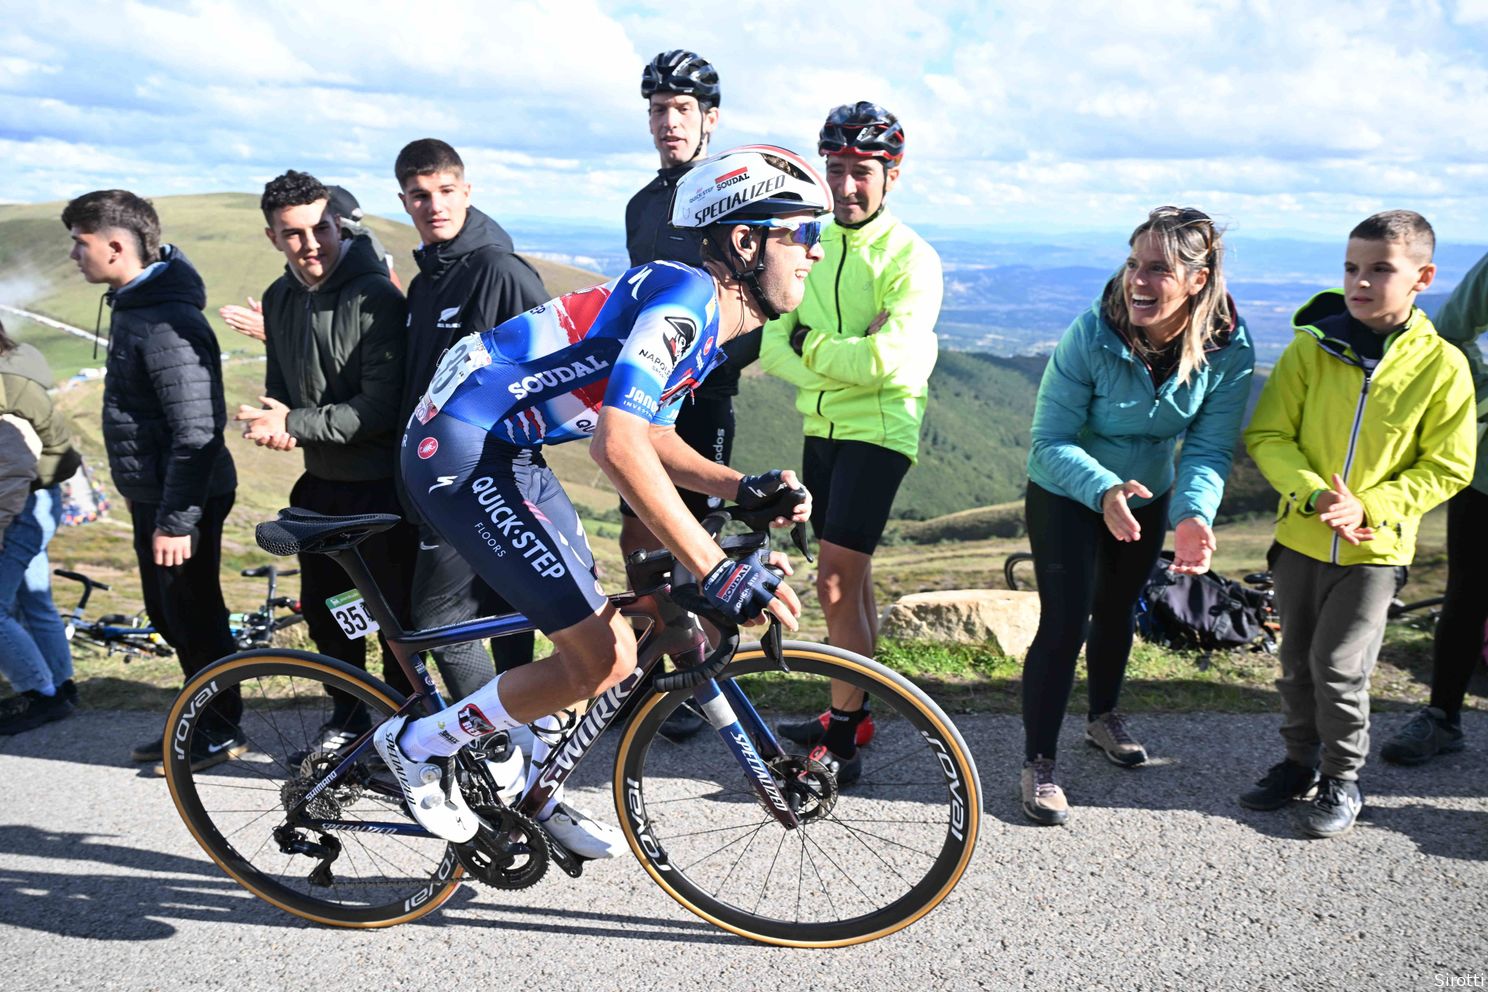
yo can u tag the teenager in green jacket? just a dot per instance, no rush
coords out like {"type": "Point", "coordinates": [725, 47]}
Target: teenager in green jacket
{"type": "Point", "coordinates": [1365, 423]}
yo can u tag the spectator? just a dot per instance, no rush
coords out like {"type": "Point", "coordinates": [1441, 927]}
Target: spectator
{"type": "Point", "coordinates": [36, 455]}
{"type": "Point", "coordinates": [1437, 727]}
{"type": "Point", "coordinates": [859, 351]}
{"type": "Point", "coordinates": [469, 280]}
{"type": "Point", "coordinates": [163, 417]}
{"type": "Point", "coordinates": [1159, 354]}
{"type": "Point", "coordinates": [335, 342]}
{"type": "Point", "coordinates": [1365, 423]}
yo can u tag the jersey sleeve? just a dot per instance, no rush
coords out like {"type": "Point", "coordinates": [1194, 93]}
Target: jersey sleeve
{"type": "Point", "coordinates": [669, 326]}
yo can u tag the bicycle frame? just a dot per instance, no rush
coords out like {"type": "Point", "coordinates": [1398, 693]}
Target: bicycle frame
{"type": "Point", "coordinates": [669, 631]}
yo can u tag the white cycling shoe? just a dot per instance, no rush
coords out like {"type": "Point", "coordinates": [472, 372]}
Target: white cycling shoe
{"type": "Point", "coordinates": [447, 817]}
{"type": "Point", "coordinates": [583, 835]}
{"type": "Point", "coordinates": [509, 774]}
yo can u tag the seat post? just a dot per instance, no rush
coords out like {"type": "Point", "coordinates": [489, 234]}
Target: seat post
{"type": "Point", "coordinates": [351, 561]}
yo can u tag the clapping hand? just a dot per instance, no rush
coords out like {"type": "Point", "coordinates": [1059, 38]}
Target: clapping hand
{"type": "Point", "coordinates": [1193, 546]}
{"type": "Point", "coordinates": [1119, 520]}
{"type": "Point", "coordinates": [245, 320]}
{"type": "Point", "coordinates": [1344, 512]}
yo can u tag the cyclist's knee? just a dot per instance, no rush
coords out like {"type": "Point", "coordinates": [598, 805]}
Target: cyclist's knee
{"type": "Point", "coordinates": [596, 653]}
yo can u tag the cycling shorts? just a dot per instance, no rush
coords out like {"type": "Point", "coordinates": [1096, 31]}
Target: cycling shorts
{"type": "Point", "coordinates": [852, 484]}
{"type": "Point", "coordinates": [706, 423]}
{"type": "Point", "coordinates": [505, 512]}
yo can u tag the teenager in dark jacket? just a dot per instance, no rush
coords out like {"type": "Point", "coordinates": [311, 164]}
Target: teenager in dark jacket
{"type": "Point", "coordinates": [336, 345]}
{"type": "Point", "coordinates": [163, 417]}
{"type": "Point", "coordinates": [469, 280]}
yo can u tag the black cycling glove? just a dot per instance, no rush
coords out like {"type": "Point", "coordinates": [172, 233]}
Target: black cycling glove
{"type": "Point", "coordinates": [756, 491]}
{"type": "Point", "coordinates": [741, 588]}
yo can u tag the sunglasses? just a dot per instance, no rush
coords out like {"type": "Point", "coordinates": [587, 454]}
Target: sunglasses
{"type": "Point", "coordinates": [803, 232]}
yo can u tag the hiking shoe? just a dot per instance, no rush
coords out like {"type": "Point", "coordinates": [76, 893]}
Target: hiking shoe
{"type": "Point", "coordinates": [1108, 732]}
{"type": "Point", "coordinates": [582, 835]}
{"type": "Point", "coordinates": [1423, 737]}
{"type": "Point", "coordinates": [845, 770]}
{"type": "Point", "coordinates": [681, 724]}
{"type": "Point", "coordinates": [809, 733]}
{"type": "Point", "coordinates": [1334, 810]}
{"type": "Point", "coordinates": [1283, 782]}
{"type": "Point", "coordinates": [330, 738]}
{"type": "Point", "coordinates": [1043, 799]}
{"type": "Point", "coordinates": [443, 815]}
{"type": "Point", "coordinates": [30, 710]}
{"type": "Point", "coordinates": [150, 750]}
{"type": "Point", "coordinates": [209, 747]}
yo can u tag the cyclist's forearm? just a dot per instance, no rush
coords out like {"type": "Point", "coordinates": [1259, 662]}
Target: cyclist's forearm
{"type": "Point", "coordinates": [692, 471]}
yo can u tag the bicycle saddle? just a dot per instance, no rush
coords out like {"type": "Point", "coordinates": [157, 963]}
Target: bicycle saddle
{"type": "Point", "coordinates": [300, 531]}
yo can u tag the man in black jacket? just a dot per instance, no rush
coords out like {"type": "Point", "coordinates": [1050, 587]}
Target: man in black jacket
{"type": "Point", "coordinates": [163, 417]}
{"type": "Point", "coordinates": [335, 343]}
{"type": "Point", "coordinates": [469, 280]}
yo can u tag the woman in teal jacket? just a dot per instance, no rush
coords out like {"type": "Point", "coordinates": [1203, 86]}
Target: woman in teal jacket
{"type": "Point", "coordinates": [1159, 355]}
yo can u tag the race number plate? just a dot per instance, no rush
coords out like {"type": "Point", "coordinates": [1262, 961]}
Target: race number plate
{"type": "Point", "coordinates": [351, 613]}
{"type": "Point", "coordinates": [455, 365]}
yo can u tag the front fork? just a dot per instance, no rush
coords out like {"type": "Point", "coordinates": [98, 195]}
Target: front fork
{"type": "Point", "coordinates": [733, 716]}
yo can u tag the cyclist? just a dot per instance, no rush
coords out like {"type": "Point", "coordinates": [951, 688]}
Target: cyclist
{"type": "Point", "coordinates": [859, 352]}
{"type": "Point", "coordinates": [612, 363]}
{"type": "Point", "coordinates": [682, 94]}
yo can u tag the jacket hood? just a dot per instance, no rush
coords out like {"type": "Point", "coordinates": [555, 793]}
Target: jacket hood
{"type": "Point", "coordinates": [176, 281]}
{"type": "Point", "coordinates": [1325, 316]}
{"type": "Point", "coordinates": [358, 258]}
{"type": "Point", "coordinates": [479, 232]}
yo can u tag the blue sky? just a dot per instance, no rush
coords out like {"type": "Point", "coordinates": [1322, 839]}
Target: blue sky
{"type": "Point", "coordinates": [1278, 118]}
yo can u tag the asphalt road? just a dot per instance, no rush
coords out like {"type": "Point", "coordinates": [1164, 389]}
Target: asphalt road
{"type": "Point", "coordinates": [1160, 881]}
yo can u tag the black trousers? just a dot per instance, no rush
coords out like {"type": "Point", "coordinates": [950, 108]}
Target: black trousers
{"type": "Point", "coordinates": [1459, 630]}
{"type": "Point", "coordinates": [185, 601]}
{"type": "Point", "coordinates": [389, 556]}
{"type": "Point", "coordinates": [1088, 585]}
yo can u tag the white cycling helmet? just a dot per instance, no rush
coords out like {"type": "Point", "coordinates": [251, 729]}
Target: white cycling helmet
{"type": "Point", "coordinates": [752, 182]}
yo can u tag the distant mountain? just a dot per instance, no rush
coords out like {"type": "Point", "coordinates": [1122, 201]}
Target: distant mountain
{"type": "Point", "coordinates": [222, 235]}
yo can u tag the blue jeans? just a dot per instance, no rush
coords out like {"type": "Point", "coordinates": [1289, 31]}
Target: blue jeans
{"type": "Point", "coordinates": [33, 645]}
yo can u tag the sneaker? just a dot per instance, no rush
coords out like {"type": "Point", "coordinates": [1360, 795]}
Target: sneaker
{"type": "Point", "coordinates": [1108, 732]}
{"type": "Point", "coordinates": [845, 770]}
{"type": "Point", "coordinates": [1423, 737]}
{"type": "Point", "coordinates": [1283, 782]}
{"type": "Point", "coordinates": [331, 737]}
{"type": "Point", "coordinates": [681, 724]}
{"type": "Point", "coordinates": [809, 733]}
{"type": "Point", "coordinates": [1334, 810]}
{"type": "Point", "coordinates": [582, 835]}
{"type": "Point", "coordinates": [1043, 799]}
{"type": "Point", "coordinates": [151, 750]}
{"type": "Point", "coordinates": [445, 816]}
{"type": "Point", "coordinates": [506, 763]}
{"type": "Point", "coordinates": [68, 691]}
{"type": "Point", "coordinates": [208, 748]}
{"type": "Point", "coordinates": [30, 710]}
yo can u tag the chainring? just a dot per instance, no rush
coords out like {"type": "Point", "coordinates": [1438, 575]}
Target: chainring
{"type": "Point", "coordinates": [512, 853]}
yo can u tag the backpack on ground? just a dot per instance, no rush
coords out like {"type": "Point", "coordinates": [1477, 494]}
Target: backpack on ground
{"type": "Point", "coordinates": [1208, 612]}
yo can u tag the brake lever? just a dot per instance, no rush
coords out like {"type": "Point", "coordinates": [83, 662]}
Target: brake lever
{"type": "Point", "coordinates": [771, 645]}
{"type": "Point", "coordinates": [798, 538]}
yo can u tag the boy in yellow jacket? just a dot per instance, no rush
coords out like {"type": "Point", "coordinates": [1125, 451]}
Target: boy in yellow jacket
{"type": "Point", "coordinates": [1365, 424]}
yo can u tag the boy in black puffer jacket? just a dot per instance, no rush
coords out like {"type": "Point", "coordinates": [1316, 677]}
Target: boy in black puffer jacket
{"type": "Point", "coordinates": [163, 418]}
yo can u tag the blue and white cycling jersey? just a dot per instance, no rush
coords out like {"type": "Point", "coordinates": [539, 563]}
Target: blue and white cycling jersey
{"type": "Point", "coordinates": [641, 343]}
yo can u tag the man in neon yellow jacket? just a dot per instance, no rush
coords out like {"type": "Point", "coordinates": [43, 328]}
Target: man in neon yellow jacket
{"type": "Point", "coordinates": [859, 351]}
{"type": "Point", "coordinates": [1366, 423]}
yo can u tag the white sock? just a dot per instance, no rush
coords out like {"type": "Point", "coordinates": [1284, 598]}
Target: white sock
{"type": "Point", "coordinates": [477, 715]}
{"type": "Point", "coordinates": [540, 751]}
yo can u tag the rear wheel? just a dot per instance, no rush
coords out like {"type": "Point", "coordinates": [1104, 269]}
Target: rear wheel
{"type": "Point", "coordinates": [237, 810]}
{"type": "Point", "coordinates": [869, 858]}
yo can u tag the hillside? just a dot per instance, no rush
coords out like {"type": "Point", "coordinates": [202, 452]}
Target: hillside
{"type": "Point", "coordinates": [222, 234]}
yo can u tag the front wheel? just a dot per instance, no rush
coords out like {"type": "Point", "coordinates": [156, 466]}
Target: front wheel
{"type": "Point", "coordinates": [236, 810]}
{"type": "Point", "coordinates": [871, 859]}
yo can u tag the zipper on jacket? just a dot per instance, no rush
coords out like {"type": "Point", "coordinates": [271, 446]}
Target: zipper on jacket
{"type": "Point", "coordinates": [1348, 459]}
{"type": "Point", "coordinates": [837, 302]}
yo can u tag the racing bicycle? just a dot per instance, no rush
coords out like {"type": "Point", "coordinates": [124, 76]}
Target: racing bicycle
{"type": "Point", "coordinates": [738, 827]}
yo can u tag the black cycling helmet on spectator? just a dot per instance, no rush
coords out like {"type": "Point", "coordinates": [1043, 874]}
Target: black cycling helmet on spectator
{"type": "Point", "coordinates": [863, 129]}
{"type": "Point", "coordinates": [681, 71]}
